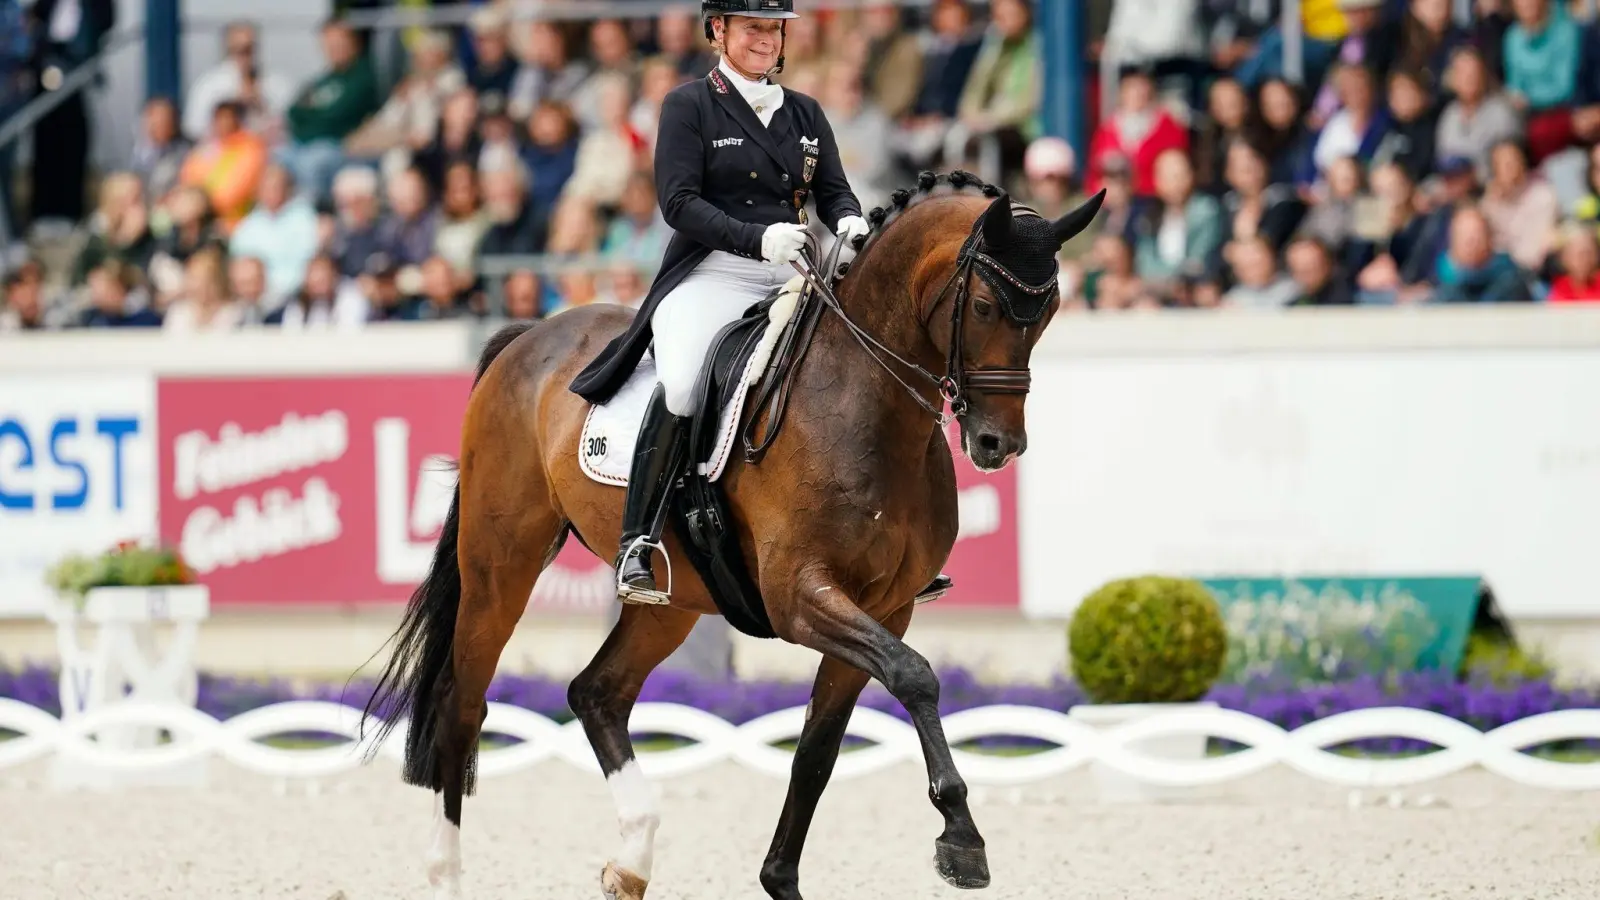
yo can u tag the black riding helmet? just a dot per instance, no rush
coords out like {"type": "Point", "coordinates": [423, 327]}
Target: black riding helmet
{"type": "Point", "coordinates": [755, 9]}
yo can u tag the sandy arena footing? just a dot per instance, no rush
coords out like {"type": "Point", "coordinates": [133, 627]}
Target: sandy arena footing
{"type": "Point", "coordinates": [546, 832]}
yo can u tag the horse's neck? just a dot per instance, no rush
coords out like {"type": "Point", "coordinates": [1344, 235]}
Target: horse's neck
{"type": "Point", "coordinates": [859, 389]}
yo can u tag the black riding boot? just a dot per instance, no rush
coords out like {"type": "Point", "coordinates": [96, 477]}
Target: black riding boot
{"type": "Point", "coordinates": [657, 457]}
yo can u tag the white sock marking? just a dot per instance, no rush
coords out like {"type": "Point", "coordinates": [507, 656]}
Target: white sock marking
{"type": "Point", "coordinates": [444, 855]}
{"type": "Point", "coordinates": [638, 815]}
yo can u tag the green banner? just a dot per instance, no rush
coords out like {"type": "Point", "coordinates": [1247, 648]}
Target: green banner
{"type": "Point", "coordinates": [1360, 621]}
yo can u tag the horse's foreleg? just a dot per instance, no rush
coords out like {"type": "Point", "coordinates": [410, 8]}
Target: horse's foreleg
{"type": "Point", "coordinates": [833, 697]}
{"type": "Point", "coordinates": [826, 619]}
{"type": "Point", "coordinates": [602, 697]}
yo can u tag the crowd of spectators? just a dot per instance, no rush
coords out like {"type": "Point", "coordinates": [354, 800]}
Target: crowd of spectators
{"type": "Point", "coordinates": [506, 168]}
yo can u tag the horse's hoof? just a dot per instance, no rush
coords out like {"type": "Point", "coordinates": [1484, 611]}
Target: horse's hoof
{"type": "Point", "coordinates": [620, 884]}
{"type": "Point", "coordinates": [964, 867]}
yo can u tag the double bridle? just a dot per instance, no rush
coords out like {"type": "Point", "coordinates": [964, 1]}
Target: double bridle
{"type": "Point", "coordinates": [958, 380]}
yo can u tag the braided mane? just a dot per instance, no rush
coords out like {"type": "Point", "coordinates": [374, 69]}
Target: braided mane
{"type": "Point", "coordinates": [927, 182]}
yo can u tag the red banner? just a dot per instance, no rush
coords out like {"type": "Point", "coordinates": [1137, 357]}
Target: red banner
{"type": "Point", "coordinates": [331, 491]}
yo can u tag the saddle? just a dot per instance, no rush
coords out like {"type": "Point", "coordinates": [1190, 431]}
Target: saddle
{"type": "Point", "coordinates": [698, 506]}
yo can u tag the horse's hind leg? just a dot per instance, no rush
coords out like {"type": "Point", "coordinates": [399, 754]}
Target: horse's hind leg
{"type": "Point", "coordinates": [833, 696]}
{"type": "Point", "coordinates": [827, 620]}
{"type": "Point", "coordinates": [602, 697]}
{"type": "Point", "coordinates": [500, 560]}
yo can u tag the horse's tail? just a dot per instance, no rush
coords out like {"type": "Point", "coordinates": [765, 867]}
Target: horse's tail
{"type": "Point", "coordinates": [414, 680]}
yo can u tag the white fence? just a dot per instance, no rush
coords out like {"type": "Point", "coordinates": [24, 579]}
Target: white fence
{"type": "Point", "coordinates": [197, 736]}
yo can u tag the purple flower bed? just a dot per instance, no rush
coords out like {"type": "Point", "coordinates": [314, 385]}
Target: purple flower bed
{"type": "Point", "coordinates": [1478, 702]}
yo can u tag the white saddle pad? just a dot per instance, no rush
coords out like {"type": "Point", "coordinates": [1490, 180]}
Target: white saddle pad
{"type": "Point", "coordinates": [605, 446]}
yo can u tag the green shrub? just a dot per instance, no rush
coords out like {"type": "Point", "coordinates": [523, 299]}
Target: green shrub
{"type": "Point", "coordinates": [1152, 639]}
{"type": "Point", "coordinates": [1501, 661]}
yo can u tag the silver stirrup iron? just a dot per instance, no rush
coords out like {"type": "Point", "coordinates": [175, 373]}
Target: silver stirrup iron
{"type": "Point", "coordinates": [930, 596]}
{"type": "Point", "coordinates": [627, 594]}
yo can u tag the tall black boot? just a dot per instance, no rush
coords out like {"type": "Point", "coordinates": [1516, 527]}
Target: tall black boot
{"type": "Point", "coordinates": [657, 457]}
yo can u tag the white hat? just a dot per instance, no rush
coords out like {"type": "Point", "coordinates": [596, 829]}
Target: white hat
{"type": "Point", "coordinates": [1050, 157]}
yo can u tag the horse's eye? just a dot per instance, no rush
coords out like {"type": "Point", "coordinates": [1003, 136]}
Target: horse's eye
{"type": "Point", "coordinates": [983, 307]}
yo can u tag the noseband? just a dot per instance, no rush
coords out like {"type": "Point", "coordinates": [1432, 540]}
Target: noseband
{"type": "Point", "coordinates": [959, 381]}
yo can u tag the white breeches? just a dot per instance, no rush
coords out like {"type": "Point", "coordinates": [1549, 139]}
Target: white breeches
{"type": "Point", "coordinates": [717, 292]}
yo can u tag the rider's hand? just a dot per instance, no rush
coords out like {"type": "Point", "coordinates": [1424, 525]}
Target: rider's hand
{"type": "Point", "coordinates": [782, 242]}
{"type": "Point", "coordinates": [852, 227]}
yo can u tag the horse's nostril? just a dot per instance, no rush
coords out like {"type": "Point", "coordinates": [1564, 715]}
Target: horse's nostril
{"type": "Point", "coordinates": [989, 442]}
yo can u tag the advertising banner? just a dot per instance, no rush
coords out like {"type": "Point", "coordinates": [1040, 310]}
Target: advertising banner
{"type": "Point", "coordinates": [1471, 464]}
{"type": "Point", "coordinates": [77, 460]}
{"type": "Point", "coordinates": [327, 491]}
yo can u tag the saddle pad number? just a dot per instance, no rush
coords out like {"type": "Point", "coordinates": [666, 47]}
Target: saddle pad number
{"type": "Point", "coordinates": [595, 448]}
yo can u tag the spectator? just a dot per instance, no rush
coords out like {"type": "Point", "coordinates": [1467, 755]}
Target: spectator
{"type": "Point", "coordinates": [1235, 27]}
{"type": "Point", "coordinates": [409, 119]}
{"type": "Point", "coordinates": [324, 301]}
{"type": "Point", "coordinates": [1453, 190]}
{"type": "Point", "coordinates": [1579, 281]}
{"type": "Point", "coordinates": [625, 286]}
{"type": "Point", "coordinates": [25, 308]}
{"type": "Point", "coordinates": [547, 74]}
{"type": "Point", "coordinates": [1428, 37]}
{"type": "Point", "coordinates": [524, 295]}
{"type": "Point", "coordinates": [1479, 117]}
{"type": "Point", "coordinates": [514, 230]}
{"type": "Point", "coordinates": [1332, 216]}
{"type": "Point", "coordinates": [357, 235]}
{"type": "Point", "coordinates": [1397, 271]}
{"type": "Point", "coordinates": [1178, 235]}
{"type": "Point", "coordinates": [227, 165]}
{"type": "Point", "coordinates": [380, 285]}
{"type": "Point", "coordinates": [658, 76]}
{"type": "Point", "coordinates": [281, 232]}
{"type": "Point", "coordinates": [1278, 130]}
{"type": "Point", "coordinates": [457, 139]}
{"type": "Point", "coordinates": [462, 222]}
{"type": "Point", "coordinates": [609, 151]}
{"type": "Point", "coordinates": [441, 295]}
{"type": "Point", "coordinates": [247, 288]}
{"type": "Point", "coordinates": [1358, 128]}
{"type": "Point", "coordinates": [501, 143]}
{"type": "Point", "coordinates": [681, 43]}
{"type": "Point", "coordinates": [1000, 103]}
{"type": "Point", "coordinates": [1367, 44]}
{"type": "Point", "coordinates": [1322, 27]}
{"type": "Point", "coordinates": [1259, 283]}
{"type": "Point", "coordinates": [187, 226]}
{"type": "Point", "coordinates": [577, 288]}
{"type": "Point", "coordinates": [227, 80]}
{"type": "Point", "coordinates": [1111, 282]}
{"type": "Point", "coordinates": [948, 52]}
{"type": "Point", "coordinates": [328, 110]}
{"type": "Point", "coordinates": [204, 304]}
{"type": "Point", "coordinates": [1253, 207]}
{"type": "Point", "coordinates": [1311, 266]}
{"type": "Point", "coordinates": [614, 56]}
{"type": "Point", "coordinates": [575, 228]}
{"type": "Point", "coordinates": [638, 234]}
{"type": "Point", "coordinates": [1472, 271]}
{"type": "Point", "coordinates": [1587, 207]}
{"type": "Point", "coordinates": [407, 234]}
{"type": "Point", "coordinates": [115, 301]}
{"type": "Point", "coordinates": [1413, 129]}
{"type": "Point", "coordinates": [1228, 109]}
{"type": "Point", "coordinates": [891, 70]}
{"type": "Point", "coordinates": [862, 130]}
{"type": "Point", "coordinates": [1521, 208]}
{"type": "Point", "coordinates": [160, 150]}
{"type": "Point", "coordinates": [494, 69]}
{"type": "Point", "coordinates": [551, 155]}
{"type": "Point", "coordinates": [17, 87]}
{"type": "Point", "coordinates": [118, 230]}
{"type": "Point", "coordinates": [1138, 131]}
{"type": "Point", "coordinates": [1542, 53]}
{"type": "Point", "coordinates": [69, 34]}
{"type": "Point", "coordinates": [1163, 36]}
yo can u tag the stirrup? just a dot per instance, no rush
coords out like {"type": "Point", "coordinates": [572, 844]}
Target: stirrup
{"type": "Point", "coordinates": [627, 593]}
{"type": "Point", "coordinates": [938, 587]}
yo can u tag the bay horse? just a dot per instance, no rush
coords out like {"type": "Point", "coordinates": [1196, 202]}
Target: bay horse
{"type": "Point", "coordinates": [849, 513]}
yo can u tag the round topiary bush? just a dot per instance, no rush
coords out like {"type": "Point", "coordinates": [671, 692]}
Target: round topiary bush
{"type": "Point", "coordinates": [1148, 640]}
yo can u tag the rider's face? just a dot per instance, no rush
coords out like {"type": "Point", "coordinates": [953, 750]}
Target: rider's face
{"type": "Point", "coordinates": [752, 45]}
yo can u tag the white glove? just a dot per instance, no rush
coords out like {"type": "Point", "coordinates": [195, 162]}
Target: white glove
{"type": "Point", "coordinates": [782, 242]}
{"type": "Point", "coordinates": [852, 227]}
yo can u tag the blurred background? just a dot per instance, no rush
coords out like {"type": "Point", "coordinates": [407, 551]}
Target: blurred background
{"type": "Point", "coordinates": [1331, 347]}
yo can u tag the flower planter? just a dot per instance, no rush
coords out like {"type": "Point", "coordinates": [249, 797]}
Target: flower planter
{"type": "Point", "coordinates": [122, 662]}
{"type": "Point", "coordinates": [1115, 786]}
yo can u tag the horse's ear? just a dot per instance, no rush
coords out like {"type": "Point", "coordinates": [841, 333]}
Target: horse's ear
{"type": "Point", "coordinates": [1073, 223]}
{"type": "Point", "coordinates": [997, 222]}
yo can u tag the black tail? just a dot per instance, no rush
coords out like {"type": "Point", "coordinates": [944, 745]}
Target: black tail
{"type": "Point", "coordinates": [418, 672]}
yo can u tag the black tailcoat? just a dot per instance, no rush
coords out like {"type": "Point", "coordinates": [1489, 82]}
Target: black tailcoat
{"type": "Point", "coordinates": [721, 179]}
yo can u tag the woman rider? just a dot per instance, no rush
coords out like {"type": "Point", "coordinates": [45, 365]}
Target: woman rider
{"type": "Point", "coordinates": [736, 159]}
